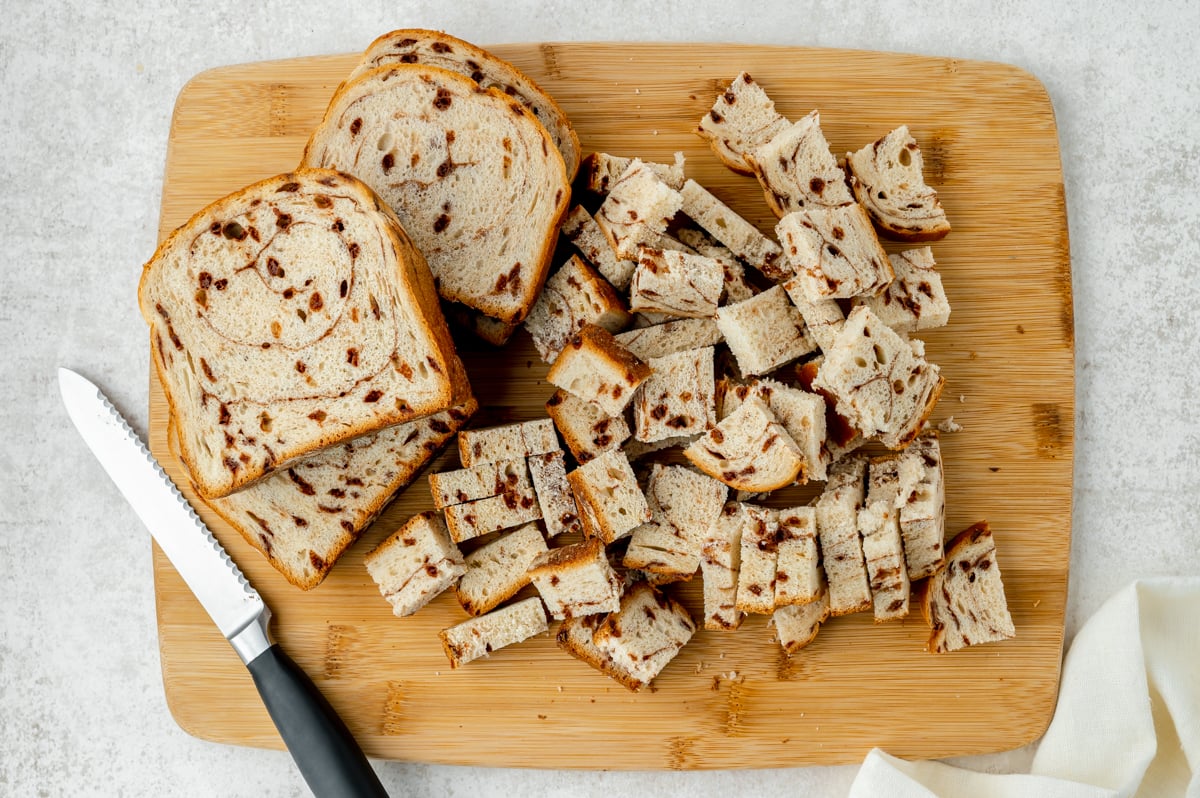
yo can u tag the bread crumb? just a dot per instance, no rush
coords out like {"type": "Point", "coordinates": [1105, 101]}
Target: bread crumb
{"type": "Point", "coordinates": [637, 91]}
{"type": "Point", "coordinates": [560, 688]}
{"type": "Point", "coordinates": [654, 132]}
{"type": "Point", "coordinates": [961, 398]}
{"type": "Point", "coordinates": [950, 425]}
{"type": "Point", "coordinates": [1036, 603]}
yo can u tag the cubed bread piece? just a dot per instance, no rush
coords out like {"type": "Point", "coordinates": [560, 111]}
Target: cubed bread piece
{"type": "Point", "coordinates": [834, 252]}
{"type": "Point", "coordinates": [573, 296]}
{"type": "Point", "coordinates": [748, 450]}
{"type": "Point", "coordinates": [642, 235]}
{"type": "Point", "coordinates": [479, 637]}
{"type": "Point", "coordinates": [736, 287]}
{"type": "Point", "coordinates": [575, 637]}
{"type": "Point", "coordinates": [597, 369]}
{"type": "Point", "coordinates": [683, 506]}
{"type": "Point", "coordinates": [964, 601]}
{"type": "Point", "coordinates": [891, 478]}
{"type": "Point", "coordinates": [801, 413]}
{"type": "Point", "coordinates": [586, 429]}
{"type": "Point", "coordinates": [581, 230]}
{"type": "Point", "coordinates": [759, 560]}
{"type": "Point", "coordinates": [495, 572]}
{"type": "Point", "coordinates": [923, 512]}
{"type": "Point", "coordinates": [796, 625]}
{"type": "Point", "coordinates": [743, 239]}
{"type": "Point", "coordinates": [676, 284]}
{"type": "Point", "coordinates": [601, 170]}
{"type": "Point", "coordinates": [677, 399]}
{"type": "Point", "coordinates": [507, 442]}
{"type": "Point", "coordinates": [674, 336]}
{"type": "Point", "coordinates": [643, 635]}
{"type": "Point", "coordinates": [415, 563]}
{"type": "Point", "coordinates": [798, 577]}
{"type": "Point", "coordinates": [479, 482]}
{"type": "Point", "coordinates": [764, 331]}
{"type": "Point", "coordinates": [915, 299]}
{"type": "Point", "coordinates": [472, 519]}
{"type": "Point", "coordinates": [822, 319]}
{"type": "Point", "coordinates": [720, 565]}
{"type": "Point", "coordinates": [796, 169]}
{"type": "Point", "coordinates": [879, 383]}
{"type": "Point", "coordinates": [837, 531]}
{"type": "Point", "coordinates": [637, 197]}
{"type": "Point", "coordinates": [887, 178]}
{"type": "Point", "coordinates": [742, 118]}
{"type": "Point", "coordinates": [576, 580]}
{"type": "Point", "coordinates": [557, 502]}
{"type": "Point", "coordinates": [841, 437]}
{"type": "Point", "coordinates": [610, 502]}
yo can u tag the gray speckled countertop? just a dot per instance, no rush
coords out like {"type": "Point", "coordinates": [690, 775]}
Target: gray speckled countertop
{"type": "Point", "coordinates": [87, 94]}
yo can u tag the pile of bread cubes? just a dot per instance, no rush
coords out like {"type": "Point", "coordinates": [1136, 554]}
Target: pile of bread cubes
{"type": "Point", "coordinates": [699, 364]}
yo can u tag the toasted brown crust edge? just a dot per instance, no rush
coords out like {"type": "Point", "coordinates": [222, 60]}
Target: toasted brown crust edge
{"type": "Point", "coordinates": [562, 123]}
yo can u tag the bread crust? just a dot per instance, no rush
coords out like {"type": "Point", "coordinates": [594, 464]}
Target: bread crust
{"type": "Point", "coordinates": [526, 89]}
{"type": "Point", "coordinates": [412, 275]}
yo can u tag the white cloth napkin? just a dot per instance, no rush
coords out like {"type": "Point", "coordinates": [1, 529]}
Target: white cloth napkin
{"type": "Point", "coordinates": [1128, 715]}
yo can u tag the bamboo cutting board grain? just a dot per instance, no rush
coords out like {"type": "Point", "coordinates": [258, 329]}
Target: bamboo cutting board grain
{"type": "Point", "coordinates": [728, 700]}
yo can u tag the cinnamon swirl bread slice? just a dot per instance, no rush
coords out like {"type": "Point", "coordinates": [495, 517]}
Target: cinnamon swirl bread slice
{"type": "Point", "coordinates": [434, 48]}
{"type": "Point", "coordinates": [290, 316]}
{"type": "Point", "coordinates": [472, 174]}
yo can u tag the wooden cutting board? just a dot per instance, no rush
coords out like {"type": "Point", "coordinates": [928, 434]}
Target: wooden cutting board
{"type": "Point", "coordinates": [988, 135]}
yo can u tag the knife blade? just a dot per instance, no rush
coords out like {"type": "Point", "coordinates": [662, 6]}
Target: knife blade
{"type": "Point", "coordinates": [328, 757]}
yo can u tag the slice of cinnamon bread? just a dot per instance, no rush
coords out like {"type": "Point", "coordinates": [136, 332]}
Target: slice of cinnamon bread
{"type": "Point", "coordinates": [887, 178]}
{"type": "Point", "coordinates": [964, 602]}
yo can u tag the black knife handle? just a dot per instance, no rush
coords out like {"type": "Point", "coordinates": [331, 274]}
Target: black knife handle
{"type": "Point", "coordinates": [325, 751]}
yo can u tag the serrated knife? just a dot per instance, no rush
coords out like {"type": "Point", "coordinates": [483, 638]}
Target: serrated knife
{"type": "Point", "coordinates": [326, 753]}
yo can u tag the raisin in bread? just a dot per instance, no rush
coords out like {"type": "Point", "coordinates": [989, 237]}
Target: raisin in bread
{"type": "Point", "coordinates": [964, 602]}
{"type": "Point", "coordinates": [412, 46]}
{"type": "Point", "coordinates": [742, 118]}
{"type": "Point", "coordinates": [886, 177]}
{"type": "Point", "coordinates": [290, 316]}
{"type": "Point", "coordinates": [472, 175]}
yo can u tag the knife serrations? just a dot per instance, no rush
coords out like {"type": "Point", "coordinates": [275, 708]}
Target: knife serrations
{"type": "Point", "coordinates": [193, 550]}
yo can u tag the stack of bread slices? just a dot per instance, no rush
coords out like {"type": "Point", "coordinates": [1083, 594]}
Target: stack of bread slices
{"type": "Point", "coordinates": [297, 325]}
{"type": "Point", "coordinates": [699, 366]}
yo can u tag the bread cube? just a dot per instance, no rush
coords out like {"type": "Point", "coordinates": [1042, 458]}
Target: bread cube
{"type": "Point", "coordinates": [415, 563]}
{"type": "Point", "coordinates": [683, 506]}
{"type": "Point", "coordinates": [673, 336]}
{"type": "Point", "coordinates": [915, 299]}
{"type": "Point", "coordinates": [600, 171]}
{"type": "Point", "coordinates": [677, 399]}
{"type": "Point", "coordinates": [576, 580]}
{"type": "Point", "coordinates": [742, 118]}
{"type": "Point", "coordinates": [743, 239]}
{"type": "Point", "coordinates": [582, 231]}
{"type": "Point", "coordinates": [637, 201]}
{"type": "Point", "coordinates": [834, 252]}
{"type": "Point", "coordinates": [644, 635]}
{"type": "Point", "coordinates": [507, 442]}
{"type": "Point", "coordinates": [891, 479]}
{"type": "Point", "coordinates": [557, 502]}
{"type": "Point", "coordinates": [610, 502]}
{"type": "Point", "coordinates": [720, 564]}
{"type": "Point", "coordinates": [586, 429]}
{"type": "Point", "coordinates": [837, 532]}
{"type": "Point", "coordinates": [494, 573]}
{"type": "Point", "coordinates": [759, 560]}
{"type": "Point", "coordinates": [796, 625]}
{"type": "Point", "coordinates": [796, 169]}
{"type": "Point", "coordinates": [823, 319]}
{"type": "Point", "coordinates": [964, 601]}
{"type": "Point", "coordinates": [886, 177]}
{"type": "Point", "coordinates": [479, 482]}
{"type": "Point", "coordinates": [479, 637]}
{"type": "Point", "coordinates": [923, 512]}
{"type": "Point", "coordinates": [880, 385]}
{"type": "Point", "coordinates": [676, 284]}
{"type": "Point", "coordinates": [749, 450]}
{"type": "Point", "coordinates": [597, 369]}
{"type": "Point", "coordinates": [764, 331]}
{"type": "Point", "coordinates": [473, 519]}
{"type": "Point", "coordinates": [573, 296]}
{"type": "Point", "coordinates": [798, 577]}
{"type": "Point", "coordinates": [801, 413]}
